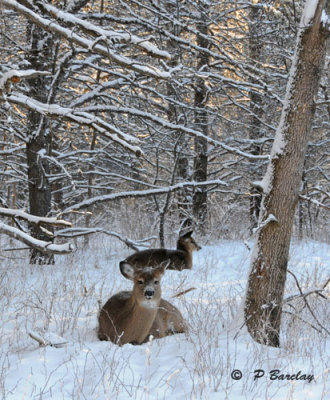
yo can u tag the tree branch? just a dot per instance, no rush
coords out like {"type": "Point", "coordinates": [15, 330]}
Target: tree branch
{"type": "Point", "coordinates": [76, 232]}
{"type": "Point", "coordinates": [54, 110]}
{"type": "Point", "coordinates": [140, 193]}
{"type": "Point", "coordinates": [307, 304]}
{"type": "Point", "coordinates": [15, 76]}
{"type": "Point", "coordinates": [69, 34]}
{"type": "Point", "coordinates": [7, 212]}
{"type": "Point", "coordinates": [44, 247]}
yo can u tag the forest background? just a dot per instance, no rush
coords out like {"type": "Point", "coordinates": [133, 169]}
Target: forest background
{"type": "Point", "coordinates": [132, 118]}
{"type": "Point", "coordinates": [125, 123]}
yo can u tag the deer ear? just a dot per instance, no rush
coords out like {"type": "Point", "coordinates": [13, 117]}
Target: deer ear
{"type": "Point", "coordinates": [187, 235]}
{"type": "Point", "coordinates": [127, 270]}
{"type": "Point", "coordinates": [164, 265]}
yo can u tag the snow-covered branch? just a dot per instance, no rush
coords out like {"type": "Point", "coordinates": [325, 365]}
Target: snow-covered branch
{"type": "Point", "coordinates": [54, 110]}
{"type": "Point", "coordinates": [15, 75]}
{"type": "Point", "coordinates": [8, 212]}
{"type": "Point", "coordinates": [178, 128]}
{"type": "Point", "coordinates": [325, 21]}
{"type": "Point", "coordinates": [76, 232]}
{"type": "Point", "coordinates": [313, 201]}
{"type": "Point", "coordinates": [141, 193]}
{"type": "Point", "coordinates": [41, 245]}
{"type": "Point", "coordinates": [69, 34]}
{"type": "Point", "coordinates": [105, 34]}
{"type": "Point", "coordinates": [262, 224]}
{"type": "Point", "coordinates": [12, 150]}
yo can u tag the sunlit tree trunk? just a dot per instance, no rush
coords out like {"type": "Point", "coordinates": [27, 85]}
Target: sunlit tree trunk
{"type": "Point", "coordinates": [282, 182]}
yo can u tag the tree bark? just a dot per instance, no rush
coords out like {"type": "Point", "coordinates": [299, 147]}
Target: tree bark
{"type": "Point", "coordinates": [201, 123]}
{"type": "Point", "coordinates": [282, 182]}
{"type": "Point", "coordinates": [255, 46]}
{"type": "Point", "coordinates": [39, 55]}
{"type": "Point", "coordinates": [175, 115]}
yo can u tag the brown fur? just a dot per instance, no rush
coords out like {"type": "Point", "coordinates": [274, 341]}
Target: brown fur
{"type": "Point", "coordinates": [178, 259]}
{"type": "Point", "coordinates": [131, 317]}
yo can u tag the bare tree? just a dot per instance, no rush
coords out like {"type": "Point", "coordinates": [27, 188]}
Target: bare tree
{"type": "Point", "coordinates": [201, 120]}
{"type": "Point", "coordinates": [282, 182]}
{"type": "Point", "coordinates": [256, 132]}
{"type": "Point", "coordinates": [146, 107]}
{"type": "Point", "coordinates": [40, 56]}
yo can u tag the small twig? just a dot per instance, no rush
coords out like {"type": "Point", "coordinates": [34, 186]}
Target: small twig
{"type": "Point", "coordinates": [237, 333]}
{"type": "Point", "coordinates": [302, 320]}
{"type": "Point", "coordinates": [76, 232]}
{"type": "Point", "coordinates": [307, 304]}
{"type": "Point", "coordinates": [306, 294]}
{"type": "Point", "coordinates": [326, 284]}
{"type": "Point", "coordinates": [183, 292]}
{"type": "Point", "coordinates": [317, 203]}
{"type": "Point", "coordinates": [16, 249]}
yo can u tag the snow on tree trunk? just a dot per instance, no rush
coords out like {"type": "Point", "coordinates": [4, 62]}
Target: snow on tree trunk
{"type": "Point", "coordinates": [282, 181]}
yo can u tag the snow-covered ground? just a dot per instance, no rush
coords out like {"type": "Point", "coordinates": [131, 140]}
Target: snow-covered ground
{"type": "Point", "coordinates": [202, 364]}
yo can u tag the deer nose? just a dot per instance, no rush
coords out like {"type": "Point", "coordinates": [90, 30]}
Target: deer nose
{"type": "Point", "coordinates": [149, 293]}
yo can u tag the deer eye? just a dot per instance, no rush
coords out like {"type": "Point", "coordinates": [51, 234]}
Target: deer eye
{"type": "Point", "coordinates": [156, 282]}
{"type": "Point", "coordinates": [140, 282]}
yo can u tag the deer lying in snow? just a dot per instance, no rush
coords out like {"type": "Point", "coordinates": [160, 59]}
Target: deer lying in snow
{"type": "Point", "coordinates": [131, 317]}
{"type": "Point", "coordinates": [178, 259]}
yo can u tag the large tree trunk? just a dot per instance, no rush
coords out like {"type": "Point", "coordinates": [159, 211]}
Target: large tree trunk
{"type": "Point", "coordinates": [282, 182]}
{"type": "Point", "coordinates": [39, 55]}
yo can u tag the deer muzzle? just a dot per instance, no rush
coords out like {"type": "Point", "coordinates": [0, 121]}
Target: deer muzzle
{"type": "Point", "coordinates": [149, 293]}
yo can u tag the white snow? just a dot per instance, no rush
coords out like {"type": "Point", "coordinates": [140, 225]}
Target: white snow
{"type": "Point", "coordinates": [309, 11]}
{"type": "Point", "coordinates": [325, 19]}
{"type": "Point", "coordinates": [63, 300]}
{"type": "Point", "coordinates": [262, 224]}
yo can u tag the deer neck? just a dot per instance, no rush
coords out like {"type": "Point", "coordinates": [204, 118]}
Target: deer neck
{"type": "Point", "coordinates": [187, 254]}
{"type": "Point", "coordinates": [140, 320]}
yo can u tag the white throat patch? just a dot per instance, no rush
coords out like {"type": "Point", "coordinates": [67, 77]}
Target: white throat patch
{"type": "Point", "coordinates": [152, 303]}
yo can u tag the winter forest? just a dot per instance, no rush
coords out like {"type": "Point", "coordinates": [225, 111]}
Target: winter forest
{"type": "Point", "coordinates": [127, 125]}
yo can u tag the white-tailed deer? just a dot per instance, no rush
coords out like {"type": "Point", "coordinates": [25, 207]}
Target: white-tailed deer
{"type": "Point", "coordinates": [178, 259]}
{"type": "Point", "coordinates": [131, 317]}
